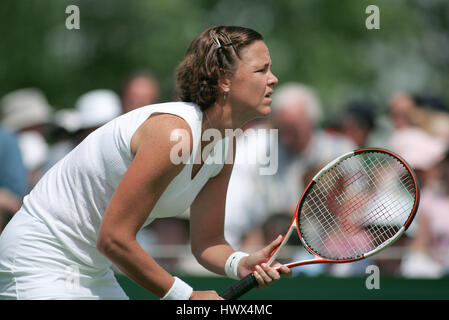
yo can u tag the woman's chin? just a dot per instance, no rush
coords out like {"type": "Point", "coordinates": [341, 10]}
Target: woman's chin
{"type": "Point", "coordinates": [264, 110]}
{"type": "Point", "coordinates": [261, 111]}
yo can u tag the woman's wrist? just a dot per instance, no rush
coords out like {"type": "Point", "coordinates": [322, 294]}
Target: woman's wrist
{"type": "Point", "coordinates": [178, 291]}
{"type": "Point", "coordinates": [232, 264]}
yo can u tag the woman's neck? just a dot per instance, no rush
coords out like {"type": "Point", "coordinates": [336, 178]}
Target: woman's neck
{"type": "Point", "coordinates": [221, 118]}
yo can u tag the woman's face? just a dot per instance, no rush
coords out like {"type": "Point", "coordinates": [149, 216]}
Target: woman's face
{"type": "Point", "coordinates": [252, 83]}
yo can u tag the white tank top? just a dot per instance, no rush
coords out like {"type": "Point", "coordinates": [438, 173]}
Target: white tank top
{"type": "Point", "coordinates": [73, 195]}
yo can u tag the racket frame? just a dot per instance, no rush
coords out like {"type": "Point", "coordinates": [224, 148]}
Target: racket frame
{"type": "Point", "coordinates": [294, 224]}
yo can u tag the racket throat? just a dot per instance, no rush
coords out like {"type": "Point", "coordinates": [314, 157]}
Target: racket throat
{"type": "Point", "coordinates": [293, 227]}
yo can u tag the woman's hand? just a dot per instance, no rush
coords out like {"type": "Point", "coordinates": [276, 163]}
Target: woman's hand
{"type": "Point", "coordinates": [263, 273]}
{"type": "Point", "coordinates": [205, 295]}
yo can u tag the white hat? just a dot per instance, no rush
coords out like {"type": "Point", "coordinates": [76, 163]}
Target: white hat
{"type": "Point", "coordinates": [68, 119]}
{"type": "Point", "coordinates": [34, 149]}
{"type": "Point", "coordinates": [97, 107]}
{"type": "Point", "coordinates": [418, 148]}
{"type": "Point", "coordinates": [25, 108]}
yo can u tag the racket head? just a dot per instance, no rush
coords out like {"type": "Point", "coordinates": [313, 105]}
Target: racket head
{"type": "Point", "coordinates": [357, 205]}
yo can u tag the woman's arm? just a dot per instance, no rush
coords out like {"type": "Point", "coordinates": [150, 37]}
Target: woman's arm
{"type": "Point", "coordinates": [144, 182]}
{"type": "Point", "coordinates": [207, 220]}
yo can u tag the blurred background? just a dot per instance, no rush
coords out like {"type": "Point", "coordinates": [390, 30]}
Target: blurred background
{"type": "Point", "coordinates": [341, 86]}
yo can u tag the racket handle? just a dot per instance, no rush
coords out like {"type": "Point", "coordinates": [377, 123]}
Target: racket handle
{"type": "Point", "coordinates": [239, 288]}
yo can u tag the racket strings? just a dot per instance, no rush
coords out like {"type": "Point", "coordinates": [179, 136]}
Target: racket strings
{"type": "Point", "coordinates": [385, 208]}
{"type": "Point", "coordinates": [333, 243]}
{"type": "Point", "coordinates": [357, 206]}
{"type": "Point", "coordinates": [392, 206]}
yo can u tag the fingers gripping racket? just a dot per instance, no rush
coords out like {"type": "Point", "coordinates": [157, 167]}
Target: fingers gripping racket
{"type": "Point", "coordinates": [357, 205]}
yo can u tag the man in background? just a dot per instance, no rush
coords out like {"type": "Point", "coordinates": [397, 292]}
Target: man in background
{"type": "Point", "coordinates": [140, 89]}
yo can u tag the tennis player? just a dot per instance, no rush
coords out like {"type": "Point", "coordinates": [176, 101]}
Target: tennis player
{"type": "Point", "coordinates": [84, 214]}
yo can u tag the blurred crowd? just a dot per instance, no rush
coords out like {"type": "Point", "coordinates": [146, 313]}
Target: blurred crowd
{"type": "Point", "coordinates": [415, 126]}
{"type": "Point", "coordinates": [34, 135]}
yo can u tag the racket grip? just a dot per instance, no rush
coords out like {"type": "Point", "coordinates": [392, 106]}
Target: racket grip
{"type": "Point", "coordinates": [239, 288]}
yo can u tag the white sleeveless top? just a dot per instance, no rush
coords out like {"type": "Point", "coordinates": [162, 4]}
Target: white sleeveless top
{"type": "Point", "coordinates": [73, 195]}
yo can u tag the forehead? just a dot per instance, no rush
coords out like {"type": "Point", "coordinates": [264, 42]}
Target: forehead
{"type": "Point", "coordinates": [256, 54]}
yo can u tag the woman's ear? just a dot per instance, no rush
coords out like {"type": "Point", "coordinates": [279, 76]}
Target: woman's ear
{"type": "Point", "coordinates": [224, 84]}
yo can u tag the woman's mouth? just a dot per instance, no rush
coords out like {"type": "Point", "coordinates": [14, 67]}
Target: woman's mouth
{"type": "Point", "coordinates": [268, 96]}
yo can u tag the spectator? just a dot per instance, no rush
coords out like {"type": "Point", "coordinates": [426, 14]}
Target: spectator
{"type": "Point", "coordinates": [92, 110]}
{"type": "Point", "coordinates": [401, 107]}
{"type": "Point", "coordinates": [358, 123]}
{"type": "Point", "coordinates": [66, 123]}
{"type": "Point", "coordinates": [28, 113]}
{"type": "Point", "coordinates": [95, 108]}
{"type": "Point", "coordinates": [422, 111]}
{"type": "Point", "coordinates": [430, 232]}
{"type": "Point", "coordinates": [429, 102]}
{"type": "Point", "coordinates": [13, 177]}
{"type": "Point", "coordinates": [140, 89]}
{"type": "Point", "coordinates": [303, 149]}
{"type": "Point", "coordinates": [422, 151]}
{"type": "Point", "coordinates": [26, 110]}
{"type": "Point", "coordinates": [13, 174]}
{"type": "Point", "coordinates": [34, 153]}
{"type": "Point", "coordinates": [431, 115]}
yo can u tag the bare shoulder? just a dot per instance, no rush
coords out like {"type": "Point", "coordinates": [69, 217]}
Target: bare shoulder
{"type": "Point", "coordinates": [161, 131]}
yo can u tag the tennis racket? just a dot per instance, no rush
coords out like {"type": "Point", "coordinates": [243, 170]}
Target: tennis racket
{"type": "Point", "coordinates": [357, 205]}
